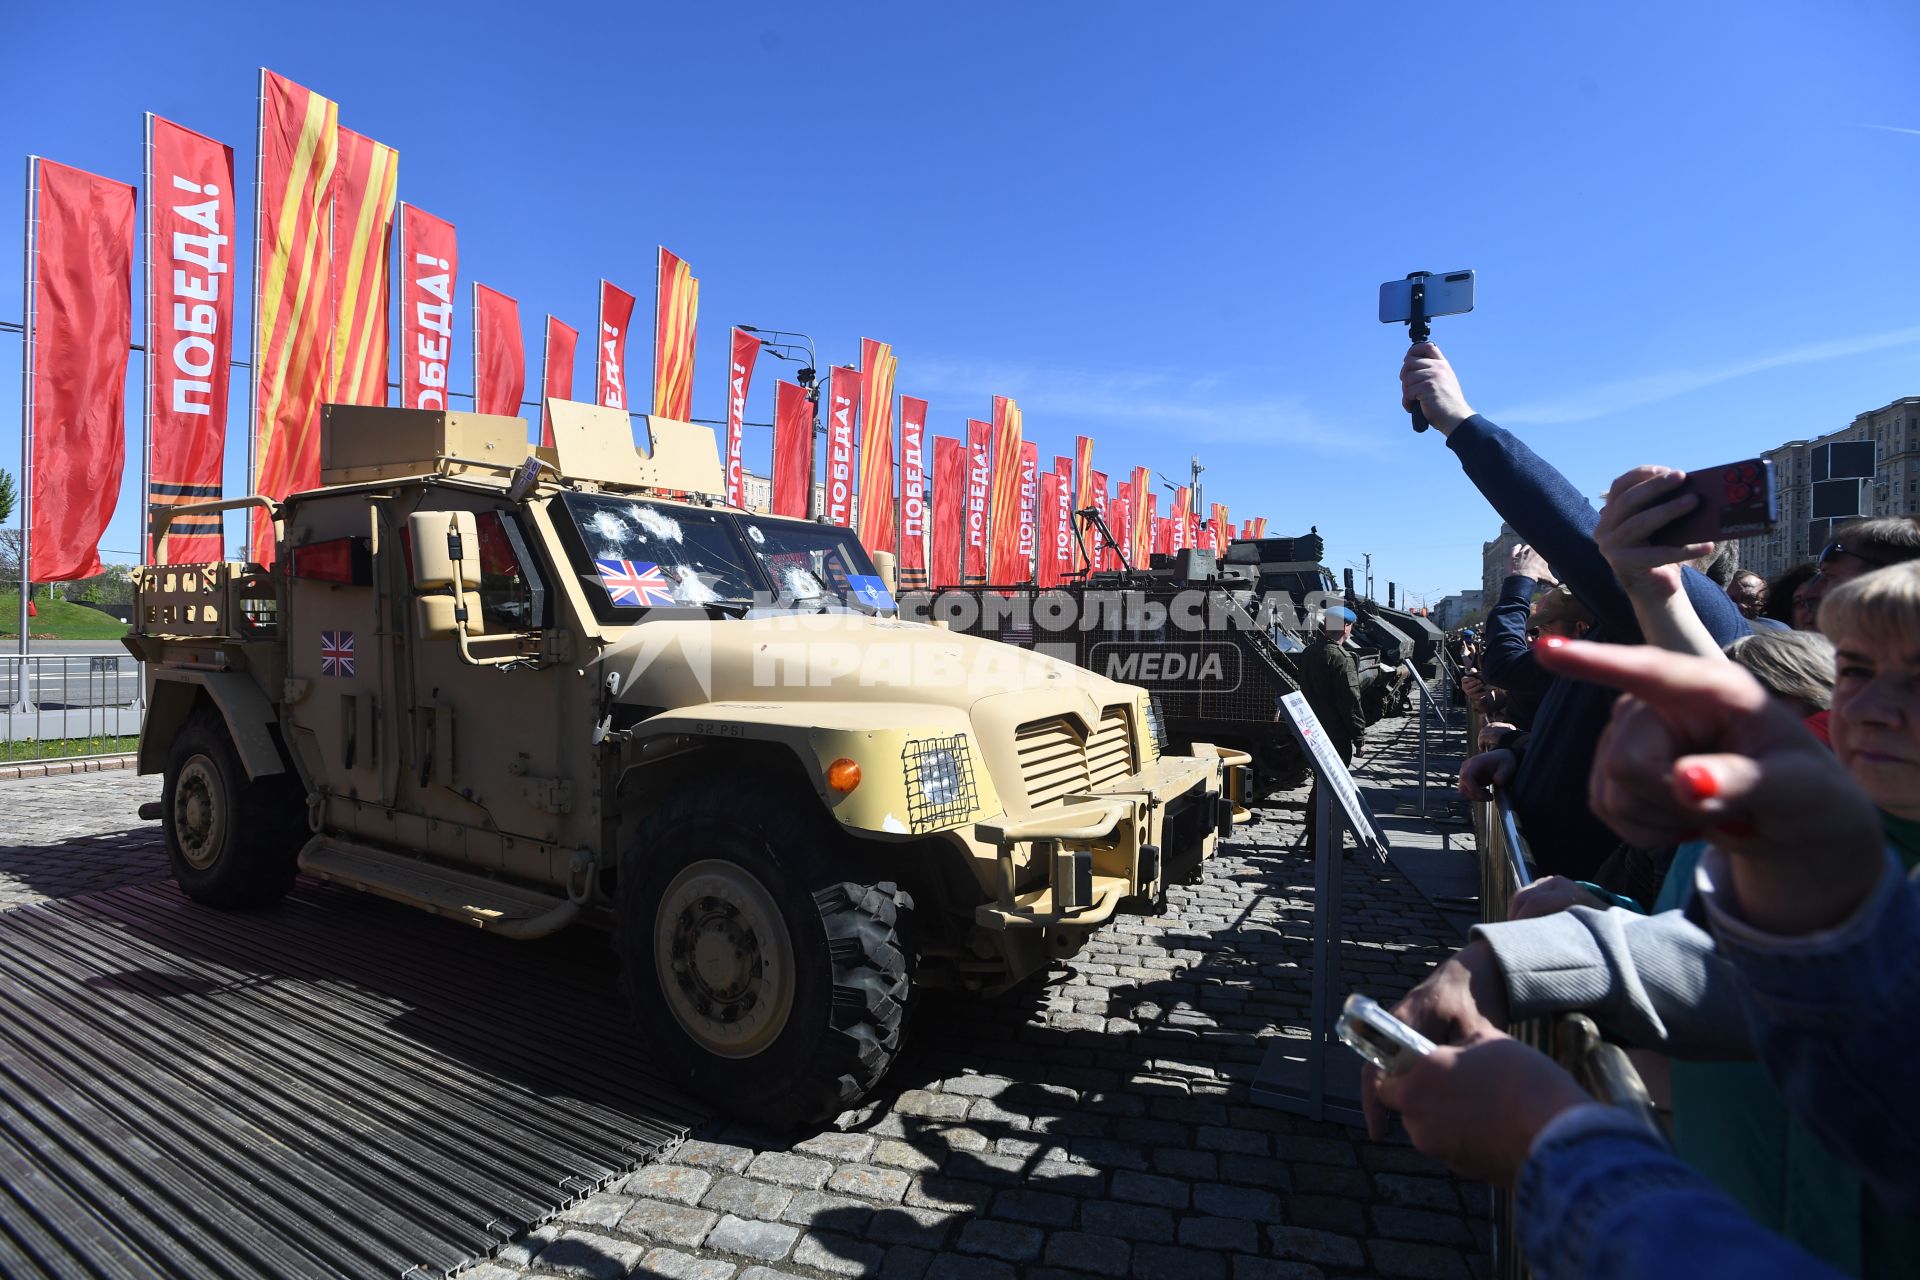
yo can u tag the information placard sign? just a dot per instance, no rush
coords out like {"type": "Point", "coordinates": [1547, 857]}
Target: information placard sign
{"type": "Point", "coordinates": [1334, 772]}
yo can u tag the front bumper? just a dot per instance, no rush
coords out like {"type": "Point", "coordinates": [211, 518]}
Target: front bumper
{"type": "Point", "coordinates": [1100, 846]}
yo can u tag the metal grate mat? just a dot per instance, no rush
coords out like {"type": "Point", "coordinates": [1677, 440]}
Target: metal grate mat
{"type": "Point", "coordinates": [336, 1086]}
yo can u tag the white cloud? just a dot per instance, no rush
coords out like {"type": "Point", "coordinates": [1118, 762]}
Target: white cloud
{"type": "Point", "coordinates": [1189, 407]}
{"type": "Point", "coordinates": [1631, 393]}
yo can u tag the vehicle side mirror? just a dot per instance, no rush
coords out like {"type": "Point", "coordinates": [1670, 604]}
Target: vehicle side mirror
{"type": "Point", "coordinates": [446, 549]}
{"type": "Point", "coordinates": [889, 566]}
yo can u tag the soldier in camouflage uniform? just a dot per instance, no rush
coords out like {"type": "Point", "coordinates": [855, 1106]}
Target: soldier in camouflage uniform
{"type": "Point", "coordinates": [1331, 684]}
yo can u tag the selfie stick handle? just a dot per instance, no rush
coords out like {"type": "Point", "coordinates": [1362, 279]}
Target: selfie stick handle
{"type": "Point", "coordinates": [1417, 332]}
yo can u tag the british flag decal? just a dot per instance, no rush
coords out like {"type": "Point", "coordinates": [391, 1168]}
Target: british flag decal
{"type": "Point", "coordinates": [336, 653]}
{"type": "Point", "coordinates": [634, 583]}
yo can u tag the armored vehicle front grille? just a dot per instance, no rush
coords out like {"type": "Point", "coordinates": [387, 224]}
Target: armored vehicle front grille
{"type": "Point", "coordinates": [1057, 759]}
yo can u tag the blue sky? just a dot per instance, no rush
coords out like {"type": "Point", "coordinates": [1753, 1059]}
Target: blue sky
{"type": "Point", "coordinates": [1164, 226]}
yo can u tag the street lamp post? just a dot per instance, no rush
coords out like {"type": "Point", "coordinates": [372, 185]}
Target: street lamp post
{"type": "Point", "coordinates": [808, 375]}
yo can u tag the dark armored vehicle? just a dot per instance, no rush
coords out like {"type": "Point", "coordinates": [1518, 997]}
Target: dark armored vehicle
{"type": "Point", "coordinates": [1383, 642]}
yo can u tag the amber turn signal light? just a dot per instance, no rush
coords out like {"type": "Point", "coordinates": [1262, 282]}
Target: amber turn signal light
{"type": "Point", "coordinates": [843, 775]}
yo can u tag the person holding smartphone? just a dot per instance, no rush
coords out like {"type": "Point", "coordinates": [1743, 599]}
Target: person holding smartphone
{"type": "Point", "coordinates": [1814, 906]}
{"type": "Point", "coordinates": [1549, 785]}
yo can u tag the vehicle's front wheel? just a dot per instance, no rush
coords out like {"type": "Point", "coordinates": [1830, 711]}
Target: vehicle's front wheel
{"type": "Point", "coordinates": [770, 975]}
{"type": "Point", "coordinates": [232, 841]}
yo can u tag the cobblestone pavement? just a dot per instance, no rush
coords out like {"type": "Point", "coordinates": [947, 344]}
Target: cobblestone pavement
{"type": "Point", "coordinates": [66, 835]}
{"type": "Point", "coordinates": [1097, 1123]}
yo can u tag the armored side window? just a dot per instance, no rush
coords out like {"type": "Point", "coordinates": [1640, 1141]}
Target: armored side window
{"type": "Point", "coordinates": [513, 597]}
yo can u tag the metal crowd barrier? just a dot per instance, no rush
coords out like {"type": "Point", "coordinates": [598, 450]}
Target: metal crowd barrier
{"type": "Point", "coordinates": [60, 705]}
{"type": "Point", "coordinates": [1572, 1040]}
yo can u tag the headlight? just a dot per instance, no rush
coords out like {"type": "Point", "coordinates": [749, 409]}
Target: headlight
{"type": "Point", "coordinates": [940, 778]}
{"type": "Point", "coordinates": [1156, 727]}
{"type": "Point", "coordinates": [940, 785]}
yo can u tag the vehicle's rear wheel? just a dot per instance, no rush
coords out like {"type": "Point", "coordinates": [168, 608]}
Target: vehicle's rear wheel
{"type": "Point", "coordinates": [771, 977]}
{"type": "Point", "coordinates": [231, 841]}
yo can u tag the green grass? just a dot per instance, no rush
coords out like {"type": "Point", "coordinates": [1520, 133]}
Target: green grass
{"type": "Point", "coordinates": [59, 619]}
{"type": "Point", "coordinates": [63, 748]}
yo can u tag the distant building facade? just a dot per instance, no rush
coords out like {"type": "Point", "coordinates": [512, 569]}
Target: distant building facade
{"type": "Point", "coordinates": [1457, 608]}
{"type": "Point", "coordinates": [1493, 561]}
{"type": "Point", "coordinates": [1871, 467]}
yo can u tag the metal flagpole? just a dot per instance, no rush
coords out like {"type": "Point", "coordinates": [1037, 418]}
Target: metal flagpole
{"type": "Point", "coordinates": [474, 285]}
{"type": "Point", "coordinates": [253, 360]}
{"type": "Point", "coordinates": [146, 416]}
{"type": "Point", "coordinates": [146, 434]}
{"type": "Point", "coordinates": [546, 368]}
{"type": "Point", "coordinates": [401, 277]}
{"type": "Point", "coordinates": [21, 701]}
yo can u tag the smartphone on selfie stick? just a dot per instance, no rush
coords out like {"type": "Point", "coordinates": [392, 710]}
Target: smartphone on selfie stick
{"type": "Point", "coordinates": [1419, 298]}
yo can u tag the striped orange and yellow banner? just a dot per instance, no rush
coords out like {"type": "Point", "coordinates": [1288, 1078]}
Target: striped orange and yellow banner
{"type": "Point", "coordinates": [875, 498]}
{"type": "Point", "coordinates": [1004, 517]}
{"type": "Point", "coordinates": [366, 191]}
{"type": "Point", "coordinates": [676, 312]}
{"type": "Point", "coordinates": [292, 306]}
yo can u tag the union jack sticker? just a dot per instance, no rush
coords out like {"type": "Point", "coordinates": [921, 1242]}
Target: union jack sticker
{"type": "Point", "coordinates": [634, 583]}
{"type": "Point", "coordinates": [336, 653]}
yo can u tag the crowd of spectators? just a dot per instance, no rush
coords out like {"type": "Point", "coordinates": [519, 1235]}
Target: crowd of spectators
{"type": "Point", "coordinates": [1723, 798]}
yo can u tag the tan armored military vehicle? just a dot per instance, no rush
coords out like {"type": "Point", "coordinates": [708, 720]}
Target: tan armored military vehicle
{"type": "Point", "coordinates": [522, 688]}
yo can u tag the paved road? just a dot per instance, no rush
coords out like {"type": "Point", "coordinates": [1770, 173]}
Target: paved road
{"type": "Point", "coordinates": [1097, 1124]}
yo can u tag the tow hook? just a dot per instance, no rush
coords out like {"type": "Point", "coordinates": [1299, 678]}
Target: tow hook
{"type": "Point", "coordinates": [580, 874]}
{"type": "Point", "coordinates": [1223, 815]}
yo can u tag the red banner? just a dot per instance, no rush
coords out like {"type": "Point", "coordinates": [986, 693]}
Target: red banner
{"type": "Point", "coordinates": [299, 136]}
{"type": "Point", "coordinates": [81, 332]}
{"type": "Point", "coordinates": [1083, 492]}
{"type": "Point", "coordinates": [792, 451]}
{"type": "Point", "coordinates": [1004, 514]}
{"type": "Point", "coordinates": [1178, 530]}
{"type": "Point", "coordinates": [499, 354]}
{"type": "Point", "coordinates": [877, 366]}
{"type": "Point", "coordinates": [913, 493]}
{"type": "Point", "coordinates": [610, 363]}
{"type": "Point", "coordinates": [949, 515]}
{"type": "Point", "coordinates": [746, 351]}
{"type": "Point", "coordinates": [556, 371]}
{"type": "Point", "coordinates": [979, 482]}
{"type": "Point", "coordinates": [1149, 527]}
{"type": "Point", "coordinates": [1222, 529]}
{"type": "Point", "coordinates": [843, 408]}
{"type": "Point", "coordinates": [1097, 498]}
{"type": "Point", "coordinates": [1027, 532]}
{"type": "Point", "coordinates": [366, 182]}
{"type": "Point", "coordinates": [1120, 521]}
{"type": "Point", "coordinates": [1162, 536]}
{"type": "Point", "coordinates": [1259, 529]}
{"type": "Point", "coordinates": [1062, 546]}
{"type": "Point", "coordinates": [190, 277]}
{"type": "Point", "coordinates": [429, 270]}
{"type": "Point", "coordinates": [1046, 571]}
{"type": "Point", "coordinates": [676, 311]}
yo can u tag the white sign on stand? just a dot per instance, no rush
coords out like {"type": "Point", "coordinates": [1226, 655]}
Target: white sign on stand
{"type": "Point", "coordinates": [1333, 771]}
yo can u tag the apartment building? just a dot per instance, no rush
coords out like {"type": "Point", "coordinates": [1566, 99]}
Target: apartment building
{"type": "Point", "coordinates": [1871, 467]}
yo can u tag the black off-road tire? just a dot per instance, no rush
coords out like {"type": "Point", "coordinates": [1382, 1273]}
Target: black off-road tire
{"type": "Point", "coordinates": [851, 971]}
{"type": "Point", "coordinates": [232, 841]}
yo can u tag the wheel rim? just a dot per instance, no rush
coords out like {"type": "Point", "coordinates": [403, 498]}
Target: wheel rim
{"type": "Point", "coordinates": [199, 813]}
{"type": "Point", "coordinates": [724, 958]}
